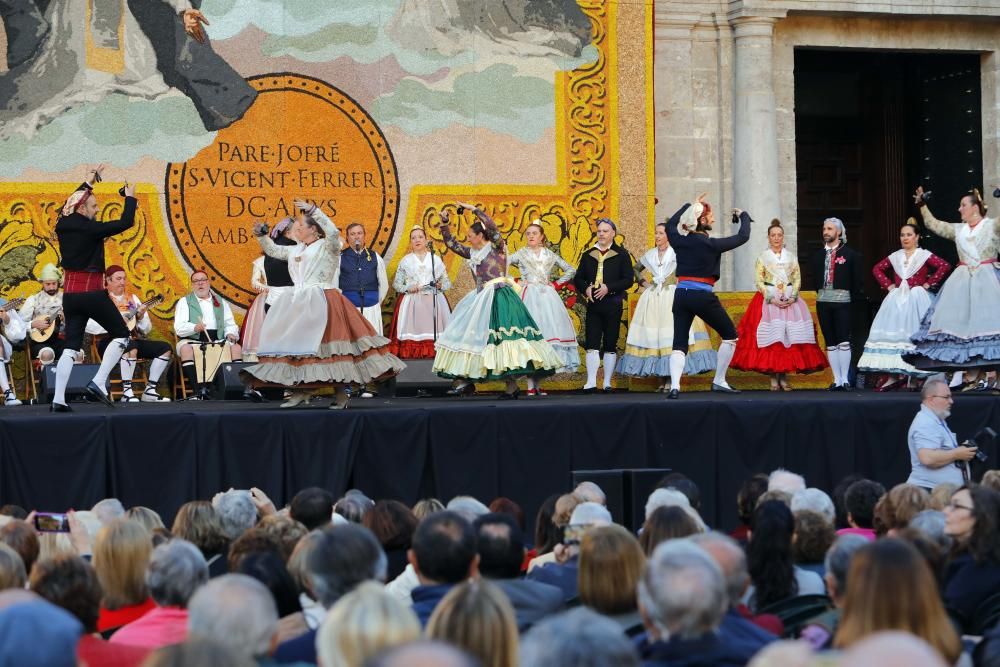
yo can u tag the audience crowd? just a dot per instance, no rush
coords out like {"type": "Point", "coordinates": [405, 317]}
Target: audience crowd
{"type": "Point", "coordinates": [862, 576]}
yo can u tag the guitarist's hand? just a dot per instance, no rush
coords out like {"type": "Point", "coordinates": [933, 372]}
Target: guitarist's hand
{"type": "Point", "coordinates": [139, 314]}
{"type": "Point", "coordinates": [4, 316]}
{"type": "Point", "coordinates": [40, 323]}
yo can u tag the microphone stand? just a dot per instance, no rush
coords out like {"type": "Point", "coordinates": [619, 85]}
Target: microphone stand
{"type": "Point", "coordinates": [203, 390]}
{"type": "Point", "coordinates": [361, 284]}
{"type": "Point", "coordinates": [434, 293]}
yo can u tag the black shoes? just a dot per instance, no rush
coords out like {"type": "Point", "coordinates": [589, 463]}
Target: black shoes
{"type": "Point", "coordinates": [59, 407]}
{"type": "Point", "coordinates": [835, 387]}
{"type": "Point", "coordinates": [721, 388]}
{"type": "Point", "coordinates": [462, 390]}
{"type": "Point", "coordinates": [673, 394]}
{"type": "Point", "coordinates": [511, 396]}
{"type": "Point", "coordinates": [252, 395]}
{"type": "Point", "coordinates": [96, 392]}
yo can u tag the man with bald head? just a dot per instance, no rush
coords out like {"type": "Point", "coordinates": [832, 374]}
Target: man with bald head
{"type": "Point", "coordinates": [934, 450]}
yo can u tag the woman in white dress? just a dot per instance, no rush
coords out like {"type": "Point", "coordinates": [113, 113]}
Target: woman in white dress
{"type": "Point", "coordinates": [421, 278]}
{"type": "Point", "coordinates": [267, 287]}
{"type": "Point", "coordinates": [536, 264]}
{"type": "Point", "coordinates": [651, 331]}
{"type": "Point", "coordinates": [312, 336]}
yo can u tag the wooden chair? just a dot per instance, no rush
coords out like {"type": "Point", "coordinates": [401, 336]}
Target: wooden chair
{"type": "Point", "coordinates": [181, 389]}
{"type": "Point", "coordinates": [139, 378]}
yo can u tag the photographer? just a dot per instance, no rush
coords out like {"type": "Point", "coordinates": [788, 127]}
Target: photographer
{"type": "Point", "coordinates": [935, 455]}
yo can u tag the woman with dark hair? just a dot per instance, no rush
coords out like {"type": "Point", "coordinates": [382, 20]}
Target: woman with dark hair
{"type": "Point", "coordinates": [909, 275]}
{"type": "Point", "coordinates": [771, 562]}
{"type": "Point", "coordinates": [890, 587]}
{"type": "Point", "coordinates": [421, 280]}
{"type": "Point", "coordinates": [491, 336]}
{"type": "Point", "coordinates": [270, 570]}
{"type": "Point", "coordinates": [972, 520]}
{"type": "Point", "coordinates": [746, 504]}
{"type": "Point", "coordinates": [547, 533]}
{"type": "Point", "coordinates": [666, 523]}
{"type": "Point", "coordinates": [393, 524]}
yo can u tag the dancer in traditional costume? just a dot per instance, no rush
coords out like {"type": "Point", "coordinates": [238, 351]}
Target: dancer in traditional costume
{"type": "Point", "coordinates": [651, 331]}
{"type": "Point", "coordinates": [422, 311]}
{"type": "Point", "coordinates": [961, 330]}
{"type": "Point", "coordinates": [699, 257]}
{"type": "Point", "coordinates": [491, 336]}
{"type": "Point", "coordinates": [269, 277]}
{"type": "Point", "coordinates": [776, 334]}
{"type": "Point", "coordinates": [313, 336]}
{"type": "Point", "coordinates": [536, 264]}
{"type": "Point", "coordinates": [909, 275]}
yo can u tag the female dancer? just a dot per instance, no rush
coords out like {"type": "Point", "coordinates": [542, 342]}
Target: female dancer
{"type": "Point", "coordinates": [269, 277]}
{"type": "Point", "coordinates": [960, 329]}
{"type": "Point", "coordinates": [421, 277]}
{"type": "Point", "coordinates": [535, 262]}
{"type": "Point", "coordinates": [651, 332]}
{"type": "Point", "coordinates": [776, 334]}
{"type": "Point", "coordinates": [312, 336]}
{"type": "Point", "coordinates": [908, 274]}
{"type": "Point", "coordinates": [492, 336]}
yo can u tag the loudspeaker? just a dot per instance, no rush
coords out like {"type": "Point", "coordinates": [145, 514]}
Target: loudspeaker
{"type": "Point", "coordinates": [227, 385]}
{"type": "Point", "coordinates": [639, 483]}
{"type": "Point", "coordinates": [78, 379]}
{"type": "Point", "coordinates": [626, 490]}
{"type": "Point", "coordinates": [417, 375]}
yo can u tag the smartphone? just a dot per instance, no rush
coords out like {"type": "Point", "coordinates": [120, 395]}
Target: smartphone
{"type": "Point", "coordinates": [573, 533]}
{"type": "Point", "coordinates": [51, 522]}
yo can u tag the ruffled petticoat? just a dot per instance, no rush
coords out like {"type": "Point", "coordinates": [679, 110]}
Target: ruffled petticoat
{"type": "Point", "coordinates": [549, 313]}
{"type": "Point", "coordinates": [777, 340]}
{"type": "Point", "coordinates": [492, 337]}
{"type": "Point", "coordinates": [651, 337]}
{"type": "Point", "coordinates": [412, 330]}
{"type": "Point", "coordinates": [897, 319]}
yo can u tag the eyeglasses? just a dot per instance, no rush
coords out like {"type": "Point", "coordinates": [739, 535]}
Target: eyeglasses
{"type": "Point", "coordinates": [956, 506]}
{"type": "Point", "coordinates": [947, 396]}
{"type": "Point", "coordinates": [201, 280]}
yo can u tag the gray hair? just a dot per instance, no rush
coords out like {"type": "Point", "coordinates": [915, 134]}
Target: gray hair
{"type": "Point", "coordinates": [839, 224]}
{"type": "Point", "coordinates": [108, 510]}
{"type": "Point", "coordinates": [785, 480]}
{"type": "Point", "coordinates": [236, 511]}
{"type": "Point", "coordinates": [673, 498]}
{"type": "Point", "coordinates": [342, 558]}
{"type": "Point", "coordinates": [577, 638]}
{"type": "Point", "coordinates": [931, 524]}
{"type": "Point", "coordinates": [176, 570]}
{"type": "Point", "coordinates": [587, 514]}
{"type": "Point", "coordinates": [682, 590]}
{"type": "Point", "coordinates": [928, 389]}
{"type": "Point", "coordinates": [591, 492]}
{"type": "Point", "coordinates": [467, 507]}
{"type": "Point", "coordinates": [814, 500]}
{"type": "Point", "coordinates": [838, 559]}
{"type": "Point", "coordinates": [731, 559]}
{"type": "Point", "coordinates": [12, 573]}
{"type": "Point", "coordinates": [235, 610]}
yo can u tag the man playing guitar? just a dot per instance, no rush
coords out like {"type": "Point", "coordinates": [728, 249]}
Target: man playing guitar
{"type": "Point", "coordinates": [43, 312]}
{"type": "Point", "coordinates": [13, 332]}
{"type": "Point", "coordinates": [137, 320]}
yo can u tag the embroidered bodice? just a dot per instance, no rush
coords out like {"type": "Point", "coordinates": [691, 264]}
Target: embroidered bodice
{"type": "Point", "coordinates": [313, 265]}
{"type": "Point", "coordinates": [922, 268]}
{"type": "Point", "coordinates": [974, 245]}
{"type": "Point", "coordinates": [536, 267]}
{"type": "Point", "coordinates": [777, 273]}
{"type": "Point", "coordinates": [660, 267]}
{"type": "Point", "coordinates": [414, 271]}
{"type": "Point", "coordinates": [486, 263]}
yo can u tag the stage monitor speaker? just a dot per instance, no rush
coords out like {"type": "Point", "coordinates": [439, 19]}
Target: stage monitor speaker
{"type": "Point", "coordinates": [417, 375]}
{"type": "Point", "coordinates": [639, 483]}
{"type": "Point", "coordinates": [612, 482]}
{"type": "Point", "coordinates": [78, 379]}
{"type": "Point", "coordinates": [227, 385]}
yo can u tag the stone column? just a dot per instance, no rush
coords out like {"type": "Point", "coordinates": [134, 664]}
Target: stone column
{"type": "Point", "coordinates": [755, 142]}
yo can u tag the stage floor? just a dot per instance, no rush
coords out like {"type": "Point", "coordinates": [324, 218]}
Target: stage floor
{"type": "Point", "coordinates": [163, 455]}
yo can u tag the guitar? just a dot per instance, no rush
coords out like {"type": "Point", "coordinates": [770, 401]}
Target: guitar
{"type": "Point", "coordinates": [12, 304]}
{"type": "Point", "coordinates": [43, 335]}
{"type": "Point", "coordinates": [131, 321]}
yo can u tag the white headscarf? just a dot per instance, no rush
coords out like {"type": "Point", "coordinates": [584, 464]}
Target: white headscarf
{"type": "Point", "coordinates": [689, 219]}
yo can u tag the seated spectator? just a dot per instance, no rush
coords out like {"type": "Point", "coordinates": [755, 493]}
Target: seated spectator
{"type": "Point", "coordinates": [895, 509]}
{"type": "Point", "coordinates": [36, 633]}
{"type": "Point", "coordinates": [892, 649]}
{"type": "Point", "coordinates": [312, 507]}
{"type": "Point", "coordinates": [14, 511]}
{"type": "Point", "coordinates": [467, 507]}
{"type": "Point", "coordinates": [270, 570]}
{"type": "Point", "coordinates": [197, 653]}
{"type": "Point", "coordinates": [930, 549]}
{"type": "Point", "coordinates": [341, 558]}
{"type": "Point", "coordinates": [746, 502]}
{"type": "Point", "coordinates": [547, 533]}
{"type": "Point", "coordinates": [500, 544]}
{"type": "Point", "coordinates": [890, 587]}
{"type": "Point", "coordinates": [771, 563]}
{"type": "Point", "coordinates": [611, 563]}
{"type": "Point", "coordinates": [288, 532]}
{"type": "Point", "coordinates": [236, 511]}
{"type": "Point", "coordinates": [839, 491]}
{"type": "Point", "coordinates": [991, 480]}
{"type": "Point", "coordinates": [443, 555]}
{"type": "Point", "coordinates": [176, 570]}
{"type": "Point", "coordinates": [932, 524]}
{"type": "Point", "coordinates": [22, 538]}
{"type": "Point", "coordinates": [667, 523]}
{"type": "Point", "coordinates": [509, 507]}
{"type": "Point", "coordinates": [590, 492]}
{"type": "Point", "coordinates": [563, 573]}
{"type": "Point", "coordinates": [70, 582]}
{"type": "Point", "coordinates": [149, 519]}
{"type": "Point", "coordinates": [426, 507]}
{"type": "Point", "coordinates": [198, 523]}
{"type": "Point", "coordinates": [108, 510]}
{"type": "Point", "coordinates": [393, 525]}
{"type": "Point", "coordinates": [12, 574]}
{"type": "Point", "coordinates": [424, 654]}
{"type": "Point", "coordinates": [813, 536]}
{"type": "Point", "coordinates": [680, 482]}
{"type": "Point", "coordinates": [353, 507]}
{"type": "Point", "coordinates": [577, 638]}
{"type": "Point", "coordinates": [941, 496]}
{"type": "Point", "coordinates": [859, 501]}
{"type": "Point", "coordinates": [364, 623]}
{"type": "Point", "coordinates": [739, 625]}
{"type": "Point", "coordinates": [476, 617]}
{"type": "Point", "coordinates": [783, 497]}
{"type": "Point", "coordinates": [972, 520]}
{"type": "Point", "coordinates": [121, 556]}
{"type": "Point", "coordinates": [669, 498]}
{"type": "Point", "coordinates": [682, 596]}
{"type": "Point", "coordinates": [814, 500]}
{"type": "Point", "coordinates": [820, 631]}
{"type": "Point", "coordinates": [254, 541]}
{"type": "Point", "coordinates": [785, 480]}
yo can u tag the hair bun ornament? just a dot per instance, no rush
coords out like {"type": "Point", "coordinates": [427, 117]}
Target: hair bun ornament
{"type": "Point", "coordinates": [911, 221]}
{"type": "Point", "coordinates": [775, 222]}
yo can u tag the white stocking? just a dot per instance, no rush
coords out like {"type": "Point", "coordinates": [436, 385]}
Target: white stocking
{"type": "Point", "coordinates": [593, 361]}
{"type": "Point", "coordinates": [726, 351]}
{"type": "Point", "coordinates": [156, 369]}
{"type": "Point", "coordinates": [845, 362]}
{"type": "Point", "coordinates": [833, 355]}
{"type": "Point", "coordinates": [676, 369]}
{"type": "Point", "coordinates": [610, 358]}
{"type": "Point", "coordinates": [63, 370]}
{"type": "Point", "coordinates": [4, 384]}
{"type": "Point", "coordinates": [112, 355]}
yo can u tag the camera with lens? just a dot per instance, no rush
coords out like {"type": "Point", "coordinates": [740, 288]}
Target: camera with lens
{"type": "Point", "coordinates": [983, 438]}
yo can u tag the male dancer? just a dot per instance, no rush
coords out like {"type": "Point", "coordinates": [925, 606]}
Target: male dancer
{"type": "Point", "coordinates": [698, 259]}
{"type": "Point", "coordinates": [81, 244]}
{"type": "Point", "coordinates": [839, 276]}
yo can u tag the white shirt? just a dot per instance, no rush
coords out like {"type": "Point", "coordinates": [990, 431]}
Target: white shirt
{"type": "Point", "coordinates": [185, 329]}
{"type": "Point", "coordinates": [144, 325]}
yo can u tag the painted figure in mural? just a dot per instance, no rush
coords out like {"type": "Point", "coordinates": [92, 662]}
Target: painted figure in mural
{"type": "Point", "coordinates": [133, 310]}
{"type": "Point", "coordinates": [909, 275]}
{"type": "Point", "coordinates": [66, 53]}
{"type": "Point", "coordinates": [422, 311]}
{"type": "Point", "coordinates": [313, 337]}
{"type": "Point", "coordinates": [839, 281]}
{"type": "Point", "coordinates": [960, 329]}
{"type": "Point", "coordinates": [43, 313]}
{"type": "Point", "coordinates": [776, 334]}
{"type": "Point", "coordinates": [12, 330]}
{"type": "Point", "coordinates": [491, 336]}
{"type": "Point", "coordinates": [81, 245]}
{"type": "Point", "coordinates": [269, 278]}
{"type": "Point", "coordinates": [536, 264]}
{"type": "Point", "coordinates": [603, 277]}
{"type": "Point", "coordinates": [651, 331]}
{"type": "Point", "coordinates": [698, 260]}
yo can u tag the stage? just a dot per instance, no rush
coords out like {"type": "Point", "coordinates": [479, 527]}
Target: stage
{"type": "Point", "coordinates": [408, 448]}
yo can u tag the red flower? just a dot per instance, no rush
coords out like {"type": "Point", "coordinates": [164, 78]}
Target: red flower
{"type": "Point", "coordinates": [841, 260]}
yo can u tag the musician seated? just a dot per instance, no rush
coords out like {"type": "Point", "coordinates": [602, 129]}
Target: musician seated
{"type": "Point", "coordinates": [136, 314]}
{"type": "Point", "coordinates": [43, 312]}
{"type": "Point", "coordinates": [202, 317]}
{"type": "Point", "coordinates": [13, 332]}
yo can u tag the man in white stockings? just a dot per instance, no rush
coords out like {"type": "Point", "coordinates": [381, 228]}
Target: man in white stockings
{"type": "Point", "coordinates": [14, 331]}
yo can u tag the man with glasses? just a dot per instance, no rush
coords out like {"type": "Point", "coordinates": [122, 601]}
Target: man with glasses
{"type": "Point", "coordinates": [935, 455]}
